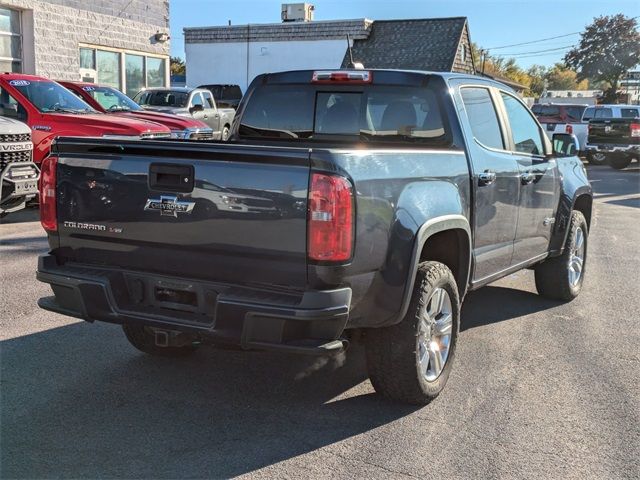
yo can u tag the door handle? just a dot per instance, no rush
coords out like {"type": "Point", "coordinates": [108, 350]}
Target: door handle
{"type": "Point", "coordinates": [486, 178]}
{"type": "Point", "coordinates": [527, 177]}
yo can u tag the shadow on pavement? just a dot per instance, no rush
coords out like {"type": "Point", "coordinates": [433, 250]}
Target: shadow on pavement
{"type": "Point", "coordinates": [78, 401]}
{"type": "Point", "coordinates": [29, 214]}
{"type": "Point", "coordinates": [479, 307]}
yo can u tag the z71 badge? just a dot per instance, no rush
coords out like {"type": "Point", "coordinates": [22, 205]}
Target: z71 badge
{"type": "Point", "coordinates": [169, 206]}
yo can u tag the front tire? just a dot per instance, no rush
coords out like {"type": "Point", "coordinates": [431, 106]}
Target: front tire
{"type": "Point", "coordinates": [411, 361]}
{"type": "Point", "coordinates": [597, 158]}
{"type": "Point", "coordinates": [620, 162]}
{"type": "Point", "coordinates": [143, 338]}
{"type": "Point", "coordinates": [561, 278]}
{"type": "Point", "coordinates": [225, 133]}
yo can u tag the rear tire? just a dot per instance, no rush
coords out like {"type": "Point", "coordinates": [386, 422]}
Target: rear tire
{"type": "Point", "coordinates": [225, 133]}
{"type": "Point", "coordinates": [143, 339]}
{"type": "Point", "coordinates": [411, 361]}
{"type": "Point", "coordinates": [561, 278]}
{"type": "Point", "coordinates": [620, 161]}
{"type": "Point", "coordinates": [597, 158]}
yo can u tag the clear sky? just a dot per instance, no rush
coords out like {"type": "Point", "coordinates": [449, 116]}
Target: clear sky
{"type": "Point", "coordinates": [493, 23]}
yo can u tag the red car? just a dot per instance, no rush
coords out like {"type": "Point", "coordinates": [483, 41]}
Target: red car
{"type": "Point", "coordinates": [53, 111]}
{"type": "Point", "coordinates": [110, 100]}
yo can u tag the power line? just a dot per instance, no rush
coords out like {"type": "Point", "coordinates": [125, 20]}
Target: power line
{"type": "Point", "coordinates": [519, 54]}
{"type": "Point", "coordinates": [534, 41]}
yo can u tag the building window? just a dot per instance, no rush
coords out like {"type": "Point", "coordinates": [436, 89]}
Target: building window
{"type": "Point", "coordinates": [134, 74]}
{"type": "Point", "coordinates": [108, 64]}
{"type": "Point", "coordinates": [155, 72]}
{"type": "Point", "coordinates": [140, 71]}
{"type": "Point", "coordinates": [10, 41]}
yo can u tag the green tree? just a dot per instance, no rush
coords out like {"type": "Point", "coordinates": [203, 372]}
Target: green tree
{"type": "Point", "coordinates": [537, 74]}
{"type": "Point", "coordinates": [608, 48]}
{"type": "Point", "coordinates": [560, 77]}
{"type": "Point", "coordinates": [177, 66]}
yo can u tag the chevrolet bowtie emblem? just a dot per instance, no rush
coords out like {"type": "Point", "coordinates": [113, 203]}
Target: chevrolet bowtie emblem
{"type": "Point", "coordinates": [169, 206]}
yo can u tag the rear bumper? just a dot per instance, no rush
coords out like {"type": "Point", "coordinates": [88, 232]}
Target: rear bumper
{"type": "Point", "coordinates": [612, 148]}
{"type": "Point", "coordinates": [309, 322]}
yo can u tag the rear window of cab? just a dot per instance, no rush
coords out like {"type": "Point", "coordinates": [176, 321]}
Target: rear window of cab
{"type": "Point", "coordinates": [367, 113]}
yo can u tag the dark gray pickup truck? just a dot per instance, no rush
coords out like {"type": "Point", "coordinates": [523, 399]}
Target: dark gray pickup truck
{"type": "Point", "coordinates": [617, 138]}
{"type": "Point", "coordinates": [349, 204]}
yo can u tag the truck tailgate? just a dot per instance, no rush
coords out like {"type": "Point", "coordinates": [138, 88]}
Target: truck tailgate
{"type": "Point", "coordinates": [219, 212]}
{"type": "Point", "coordinates": [614, 131]}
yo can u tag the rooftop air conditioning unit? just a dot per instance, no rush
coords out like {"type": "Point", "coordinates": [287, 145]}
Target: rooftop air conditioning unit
{"type": "Point", "coordinates": [88, 75]}
{"type": "Point", "coordinates": [297, 12]}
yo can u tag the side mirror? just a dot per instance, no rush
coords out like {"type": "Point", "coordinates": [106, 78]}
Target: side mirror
{"type": "Point", "coordinates": [196, 108]}
{"type": "Point", "coordinates": [565, 145]}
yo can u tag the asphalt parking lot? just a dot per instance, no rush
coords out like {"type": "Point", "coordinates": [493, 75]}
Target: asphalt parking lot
{"type": "Point", "coordinates": [540, 389]}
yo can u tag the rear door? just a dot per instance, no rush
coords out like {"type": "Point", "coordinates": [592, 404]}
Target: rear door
{"type": "Point", "coordinates": [217, 212]}
{"type": "Point", "coordinates": [495, 181]}
{"type": "Point", "coordinates": [538, 178]}
{"type": "Point", "coordinates": [211, 115]}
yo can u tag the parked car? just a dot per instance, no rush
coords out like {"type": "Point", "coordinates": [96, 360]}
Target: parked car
{"type": "Point", "coordinates": [51, 111]}
{"type": "Point", "coordinates": [18, 174]}
{"type": "Point", "coordinates": [616, 139]}
{"type": "Point", "coordinates": [601, 112]}
{"type": "Point", "coordinates": [190, 102]}
{"type": "Point", "coordinates": [107, 99]}
{"type": "Point", "coordinates": [402, 191]}
{"type": "Point", "coordinates": [563, 118]}
{"type": "Point", "coordinates": [226, 96]}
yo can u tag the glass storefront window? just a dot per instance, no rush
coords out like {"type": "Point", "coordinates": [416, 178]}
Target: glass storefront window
{"type": "Point", "coordinates": [155, 72]}
{"type": "Point", "coordinates": [134, 74]}
{"type": "Point", "coordinates": [10, 40]}
{"type": "Point", "coordinates": [87, 58]}
{"type": "Point", "coordinates": [108, 64]}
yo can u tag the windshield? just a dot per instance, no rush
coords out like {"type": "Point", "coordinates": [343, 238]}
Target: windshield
{"type": "Point", "coordinates": [110, 99]}
{"type": "Point", "coordinates": [50, 97]}
{"type": "Point", "coordinates": [367, 113]}
{"type": "Point", "coordinates": [162, 98]}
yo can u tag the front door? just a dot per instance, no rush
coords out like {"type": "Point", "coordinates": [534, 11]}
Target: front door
{"type": "Point", "coordinates": [211, 113]}
{"type": "Point", "coordinates": [495, 181]}
{"type": "Point", "coordinates": [539, 181]}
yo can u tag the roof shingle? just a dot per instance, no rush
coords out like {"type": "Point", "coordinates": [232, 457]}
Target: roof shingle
{"type": "Point", "coordinates": [416, 44]}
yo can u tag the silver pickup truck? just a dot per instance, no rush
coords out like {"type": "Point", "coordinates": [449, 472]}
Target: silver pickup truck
{"type": "Point", "coordinates": [189, 102]}
{"type": "Point", "coordinates": [18, 174]}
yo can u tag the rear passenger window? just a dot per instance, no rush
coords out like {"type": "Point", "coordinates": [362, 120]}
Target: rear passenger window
{"type": "Point", "coordinates": [482, 116]}
{"type": "Point", "coordinates": [524, 129]}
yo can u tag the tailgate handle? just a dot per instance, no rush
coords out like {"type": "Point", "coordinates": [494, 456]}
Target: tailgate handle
{"type": "Point", "coordinates": [171, 177]}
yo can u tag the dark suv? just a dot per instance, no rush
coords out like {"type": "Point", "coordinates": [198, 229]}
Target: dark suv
{"type": "Point", "coordinates": [226, 96]}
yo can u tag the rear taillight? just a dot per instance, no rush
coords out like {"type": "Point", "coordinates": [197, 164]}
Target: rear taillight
{"type": "Point", "coordinates": [48, 217]}
{"type": "Point", "coordinates": [330, 235]}
{"type": "Point", "coordinates": [635, 129]}
{"type": "Point", "coordinates": [569, 129]}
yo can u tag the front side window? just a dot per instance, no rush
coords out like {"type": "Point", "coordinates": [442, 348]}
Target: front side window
{"type": "Point", "coordinates": [196, 99]}
{"type": "Point", "coordinates": [524, 129]}
{"type": "Point", "coordinates": [9, 107]}
{"type": "Point", "coordinates": [588, 114]}
{"type": "Point", "coordinates": [108, 68]}
{"type": "Point", "coordinates": [49, 97]}
{"type": "Point", "coordinates": [482, 116]}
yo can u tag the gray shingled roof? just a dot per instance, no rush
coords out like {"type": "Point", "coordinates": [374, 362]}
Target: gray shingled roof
{"type": "Point", "coordinates": [421, 44]}
{"type": "Point", "coordinates": [323, 30]}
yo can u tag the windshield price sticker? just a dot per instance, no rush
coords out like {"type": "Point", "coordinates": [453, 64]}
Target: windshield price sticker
{"type": "Point", "coordinates": [19, 83]}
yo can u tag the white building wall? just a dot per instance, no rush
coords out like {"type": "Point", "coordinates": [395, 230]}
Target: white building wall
{"type": "Point", "coordinates": [228, 63]}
